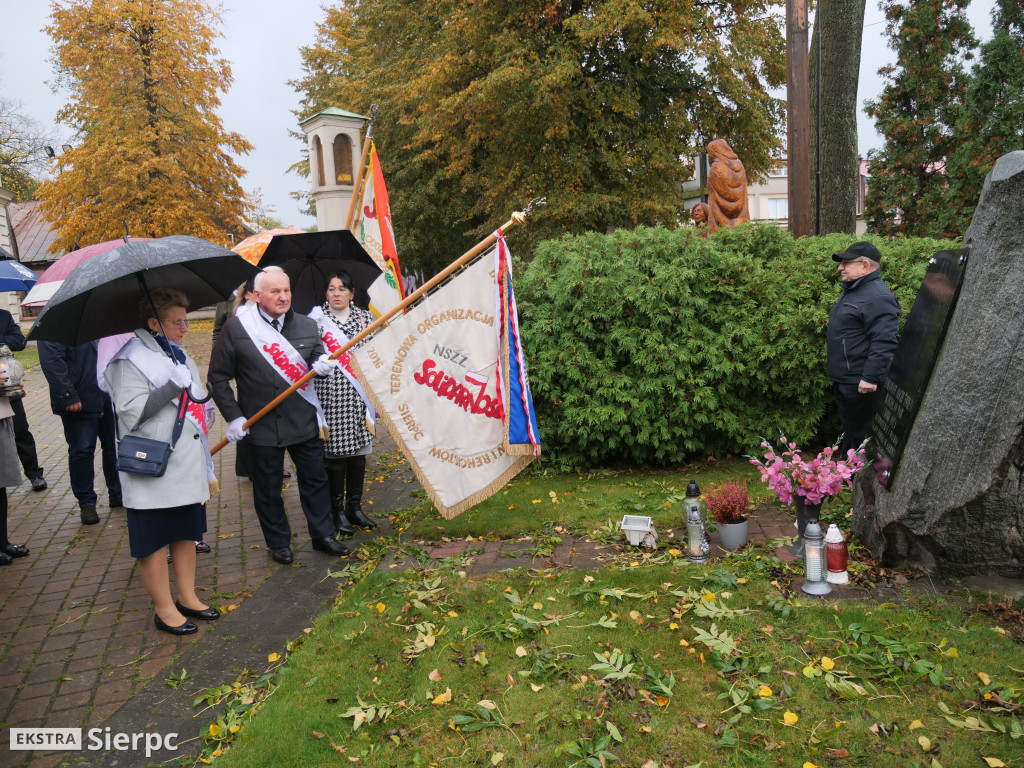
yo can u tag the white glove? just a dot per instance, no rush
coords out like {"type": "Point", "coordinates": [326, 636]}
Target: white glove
{"type": "Point", "coordinates": [235, 430]}
{"type": "Point", "coordinates": [181, 376]}
{"type": "Point", "coordinates": [323, 365]}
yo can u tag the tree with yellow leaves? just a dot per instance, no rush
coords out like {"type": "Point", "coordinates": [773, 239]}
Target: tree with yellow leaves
{"type": "Point", "coordinates": [602, 106]}
{"type": "Point", "coordinates": [150, 152]}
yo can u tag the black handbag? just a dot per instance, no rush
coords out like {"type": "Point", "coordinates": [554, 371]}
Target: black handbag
{"type": "Point", "coordinates": [146, 457]}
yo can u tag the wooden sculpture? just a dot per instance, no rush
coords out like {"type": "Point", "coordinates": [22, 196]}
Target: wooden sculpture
{"type": "Point", "coordinates": [727, 187]}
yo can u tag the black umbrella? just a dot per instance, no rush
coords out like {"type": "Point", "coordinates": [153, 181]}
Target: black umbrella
{"type": "Point", "coordinates": [101, 295]}
{"type": "Point", "coordinates": [310, 258]}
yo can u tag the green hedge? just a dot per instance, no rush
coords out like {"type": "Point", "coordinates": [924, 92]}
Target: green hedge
{"type": "Point", "coordinates": [654, 346]}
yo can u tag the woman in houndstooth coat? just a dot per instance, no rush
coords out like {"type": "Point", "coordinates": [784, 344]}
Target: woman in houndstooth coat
{"type": "Point", "coordinates": [350, 442]}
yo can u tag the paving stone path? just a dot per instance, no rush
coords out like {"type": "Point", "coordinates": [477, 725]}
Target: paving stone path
{"type": "Point", "coordinates": [77, 644]}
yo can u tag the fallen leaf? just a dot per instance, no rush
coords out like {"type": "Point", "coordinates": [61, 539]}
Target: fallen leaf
{"type": "Point", "coordinates": [487, 704]}
{"type": "Point", "coordinates": [916, 724]}
{"type": "Point", "coordinates": [497, 757]}
{"type": "Point", "coordinates": [985, 679]}
{"type": "Point", "coordinates": [435, 675]}
{"type": "Point", "coordinates": [764, 691]}
{"type": "Point", "coordinates": [873, 728]}
{"type": "Point", "coordinates": [536, 687]}
{"type": "Point", "coordinates": [827, 664]}
{"type": "Point", "coordinates": [317, 735]}
{"type": "Point", "coordinates": [790, 718]}
{"type": "Point", "coordinates": [675, 552]}
{"type": "Point", "coordinates": [994, 762]}
{"type": "Point", "coordinates": [842, 752]}
{"type": "Point", "coordinates": [925, 742]}
{"type": "Point", "coordinates": [520, 651]}
{"type": "Point", "coordinates": [274, 657]}
{"type": "Point", "coordinates": [809, 764]}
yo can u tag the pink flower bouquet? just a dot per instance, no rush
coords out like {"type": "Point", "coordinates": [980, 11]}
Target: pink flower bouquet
{"type": "Point", "coordinates": [787, 473]}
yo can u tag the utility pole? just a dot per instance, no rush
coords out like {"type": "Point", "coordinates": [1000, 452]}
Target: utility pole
{"type": "Point", "coordinates": [798, 109]}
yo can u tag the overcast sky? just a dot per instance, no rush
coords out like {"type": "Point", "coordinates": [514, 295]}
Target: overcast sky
{"type": "Point", "coordinates": [261, 40]}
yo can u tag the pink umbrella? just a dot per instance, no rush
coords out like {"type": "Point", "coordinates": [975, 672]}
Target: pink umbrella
{"type": "Point", "coordinates": [54, 276]}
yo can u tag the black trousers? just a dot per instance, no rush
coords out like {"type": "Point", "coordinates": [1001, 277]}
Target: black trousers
{"type": "Point", "coordinates": [855, 413]}
{"type": "Point", "coordinates": [267, 464]}
{"type": "Point", "coordinates": [24, 441]}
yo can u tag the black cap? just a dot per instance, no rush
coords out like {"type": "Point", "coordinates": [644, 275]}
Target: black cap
{"type": "Point", "coordinates": [859, 250]}
{"type": "Point", "coordinates": [692, 489]}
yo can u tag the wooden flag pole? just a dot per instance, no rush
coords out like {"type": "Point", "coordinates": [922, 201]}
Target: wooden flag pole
{"type": "Point", "coordinates": [357, 190]}
{"type": "Point", "coordinates": [487, 242]}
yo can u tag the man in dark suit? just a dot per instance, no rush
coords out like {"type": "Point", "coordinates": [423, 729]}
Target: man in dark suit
{"type": "Point", "coordinates": [87, 414]}
{"type": "Point", "coordinates": [265, 348]}
{"type": "Point", "coordinates": [11, 335]}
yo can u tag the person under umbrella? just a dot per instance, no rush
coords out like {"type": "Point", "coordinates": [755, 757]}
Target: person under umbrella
{"type": "Point", "coordinates": [349, 442]}
{"type": "Point", "coordinates": [310, 258]}
{"type": "Point", "coordinates": [264, 349]}
{"type": "Point", "coordinates": [10, 477]}
{"type": "Point", "coordinates": [148, 379]}
{"type": "Point", "coordinates": [100, 298]}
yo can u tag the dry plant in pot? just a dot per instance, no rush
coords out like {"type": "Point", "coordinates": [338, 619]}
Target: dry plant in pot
{"type": "Point", "coordinates": [729, 503]}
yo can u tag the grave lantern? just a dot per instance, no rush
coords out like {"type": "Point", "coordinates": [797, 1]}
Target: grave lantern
{"type": "Point", "coordinates": [814, 560]}
{"type": "Point", "coordinates": [698, 542]}
{"type": "Point", "coordinates": [838, 556]}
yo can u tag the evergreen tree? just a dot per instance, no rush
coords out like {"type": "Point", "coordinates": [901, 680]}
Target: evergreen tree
{"type": "Point", "coordinates": [599, 106]}
{"type": "Point", "coordinates": [916, 113]}
{"type": "Point", "coordinates": [993, 119]}
{"type": "Point", "coordinates": [150, 151]}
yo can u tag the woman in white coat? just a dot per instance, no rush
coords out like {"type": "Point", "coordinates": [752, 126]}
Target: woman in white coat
{"type": "Point", "coordinates": [146, 386]}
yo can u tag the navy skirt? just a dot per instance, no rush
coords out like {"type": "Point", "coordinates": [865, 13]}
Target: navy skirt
{"type": "Point", "coordinates": [153, 529]}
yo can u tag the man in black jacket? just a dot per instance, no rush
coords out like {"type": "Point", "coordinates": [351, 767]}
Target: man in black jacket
{"type": "Point", "coordinates": [862, 328]}
{"type": "Point", "coordinates": [11, 335]}
{"type": "Point", "coordinates": [261, 373]}
{"type": "Point", "coordinates": [87, 414]}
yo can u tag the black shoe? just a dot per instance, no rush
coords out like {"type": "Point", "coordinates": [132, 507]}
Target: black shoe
{"type": "Point", "coordinates": [183, 629]}
{"type": "Point", "coordinates": [202, 547]}
{"type": "Point", "coordinates": [115, 502]}
{"type": "Point", "coordinates": [5, 559]}
{"type": "Point", "coordinates": [89, 516]}
{"type": "Point", "coordinates": [342, 527]}
{"type": "Point", "coordinates": [207, 614]}
{"type": "Point", "coordinates": [331, 547]}
{"type": "Point", "coordinates": [14, 550]}
{"type": "Point", "coordinates": [356, 517]}
{"type": "Point", "coordinates": [286, 474]}
{"type": "Point", "coordinates": [38, 483]}
{"type": "Point", "coordinates": [282, 555]}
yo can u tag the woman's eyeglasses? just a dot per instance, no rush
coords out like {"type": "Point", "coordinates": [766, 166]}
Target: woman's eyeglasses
{"type": "Point", "coordinates": [180, 323]}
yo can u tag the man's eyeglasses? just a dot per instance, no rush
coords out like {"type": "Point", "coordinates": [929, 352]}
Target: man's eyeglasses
{"type": "Point", "coordinates": [179, 323]}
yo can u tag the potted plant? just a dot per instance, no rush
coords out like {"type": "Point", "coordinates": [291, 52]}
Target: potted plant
{"type": "Point", "coordinates": [729, 503]}
{"type": "Point", "coordinates": [805, 484]}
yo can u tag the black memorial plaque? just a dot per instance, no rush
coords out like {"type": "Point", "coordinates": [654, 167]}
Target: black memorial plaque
{"type": "Point", "coordinates": [915, 358]}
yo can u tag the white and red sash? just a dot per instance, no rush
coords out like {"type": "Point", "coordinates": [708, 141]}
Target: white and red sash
{"type": "Point", "coordinates": [334, 338]}
{"type": "Point", "coordinates": [282, 357]}
{"type": "Point", "coordinates": [156, 366]}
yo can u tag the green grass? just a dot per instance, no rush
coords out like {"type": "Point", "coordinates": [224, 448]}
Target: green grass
{"type": "Point", "coordinates": [448, 670]}
{"type": "Point", "coordinates": [29, 358]}
{"type": "Point", "coordinates": [585, 502]}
